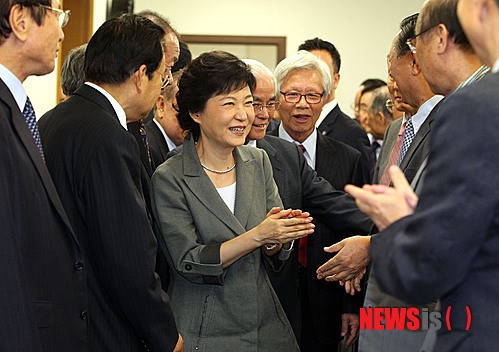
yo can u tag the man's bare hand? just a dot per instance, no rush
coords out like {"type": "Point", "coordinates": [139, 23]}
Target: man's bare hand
{"type": "Point", "coordinates": [349, 328]}
{"type": "Point", "coordinates": [349, 262]}
{"type": "Point", "coordinates": [179, 347]}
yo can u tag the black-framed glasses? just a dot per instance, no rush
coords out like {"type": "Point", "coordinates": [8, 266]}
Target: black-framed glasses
{"type": "Point", "coordinates": [271, 106]}
{"type": "Point", "coordinates": [389, 105]}
{"type": "Point", "coordinates": [294, 97]}
{"type": "Point", "coordinates": [411, 42]}
{"type": "Point", "coordinates": [62, 15]}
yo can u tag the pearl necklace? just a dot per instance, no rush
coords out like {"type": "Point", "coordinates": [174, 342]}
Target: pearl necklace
{"type": "Point", "coordinates": [218, 171]}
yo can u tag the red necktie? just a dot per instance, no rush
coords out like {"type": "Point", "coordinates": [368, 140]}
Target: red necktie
{"type": "Point", "coordinates": [302, 246]}
{"type": "Point", "coordinates": [394, 155]}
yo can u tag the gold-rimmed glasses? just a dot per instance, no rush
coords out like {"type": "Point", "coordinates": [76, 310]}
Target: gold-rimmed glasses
{"type": "Point", "coordinates": [62, 15]}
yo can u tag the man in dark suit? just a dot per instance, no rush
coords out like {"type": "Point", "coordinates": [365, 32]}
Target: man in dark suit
{"type": "Point", "coordinates": [333, 122]}
{"type": "Point", "coordinates": [299, 186]}
{"type": "Point", "coordinates": [163, 131]}
{"type": "Point", "coordinates": [95, 165]}
{"type": "Point", "coordinates": [413, 96]}
{"type": "Point", "coordinates": [461, 67]}
{"type": "Point", "coordinates": [303, 83]}
{"type": "Point", "coordinates": [43, 293]}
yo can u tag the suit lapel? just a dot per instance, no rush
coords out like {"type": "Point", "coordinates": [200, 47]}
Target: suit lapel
{"type": "Point", "coordinates": [201, 186]}
{"type": "Point", "coordinates": [326, 125]}
{"type": "Point", "coordinates": [325, 151]}
{"type": "Point", "coordinates": [245, 176]}
{"type": "Point", "coordinates": [278, 167]}
{"type": "Point", "coordinates": [388, 143]}
{"type": "Point", "coordinates": [21, 128]}
{"type": "Point", "coordinates": [419, 138]}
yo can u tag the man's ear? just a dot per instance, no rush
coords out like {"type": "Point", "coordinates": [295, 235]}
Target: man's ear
{"type": "Point", "coordinates": [160, 106]}
{"type": "Point", "coordinates": [336, 80]}
{"type": "Point", "coordinates": [443, 38]}
{"type": "Point", "coordinates": [19, 20]}
{"type": "Point", "coordinates": [139, 78]}
{"type": "Point", "coordinates": [415, 69]}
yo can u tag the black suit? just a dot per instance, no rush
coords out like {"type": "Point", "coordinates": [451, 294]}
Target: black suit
{"type": "Point", "coordinates": [96, 167]}
{"type": "Point", "coordinates": [341, 127]}
{"type": "Point", "coordinates": [300, 188]}
{"type": "Point", "coordinates": [325, 302]}
{"type": "Point", "coordinates": [42, 290]}
{"type": "Point", "coordinates": [157, 144]}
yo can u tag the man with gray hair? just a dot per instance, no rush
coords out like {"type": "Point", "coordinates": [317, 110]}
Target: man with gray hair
{"type": "Point", "coordinates": [374, 103]}
{"type": "Point", "coordinates": [299, 186]}
{"type": "Point", "coordinates": [303, 86]}
{"type": "Point", "coordinates": [72, 72]}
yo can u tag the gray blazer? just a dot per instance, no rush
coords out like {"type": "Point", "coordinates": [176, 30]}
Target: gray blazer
{"type": "Point", "coordinates": [217, 309]}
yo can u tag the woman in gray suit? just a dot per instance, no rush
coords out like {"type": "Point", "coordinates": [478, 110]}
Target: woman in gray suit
{"type": "Point", "coordinates": [220, 217]}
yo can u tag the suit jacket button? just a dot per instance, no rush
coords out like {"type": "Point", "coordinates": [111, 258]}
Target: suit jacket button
{"type": "Point", "coordinates": [83, 315]}
{"type": "Point", "coordinates": [188, 267]}
{"type": "Point", "coordinates": [78, 266]}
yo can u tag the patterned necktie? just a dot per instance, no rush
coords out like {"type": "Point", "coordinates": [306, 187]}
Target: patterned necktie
{"type": "Point", "coordinates": [302, 244]}
{"type": "Point", "coordinates": [29, 115]}
{"type": "Point", "coordinates": [408, 137]}
{"type": "Point", "coordinates": [143, 135]}
{"type": "Point", "coordinates": [385, 177]}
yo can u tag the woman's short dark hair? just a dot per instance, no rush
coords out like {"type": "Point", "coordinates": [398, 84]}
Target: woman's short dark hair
{"type": "Point", "coordinates": [208, 75]}
{"type": "Point", "coordinates": [120, 46]}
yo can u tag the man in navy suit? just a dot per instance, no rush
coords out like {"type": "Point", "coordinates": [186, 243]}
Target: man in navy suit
{"type": "Point", "coordinates": [43, 293]}
{"type": "Point", "coordinates": [333, 122]}
{"type": "Point", "coordinates": [96, 168]}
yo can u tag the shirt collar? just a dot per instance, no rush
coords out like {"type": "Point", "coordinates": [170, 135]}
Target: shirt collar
{"type": "Point", "coordinates": [475, 76]}
{"type": "Point", "coordinates": [169, 142]}
{"type": "Point", "coordinates": [424, 110]}
{"type": "Point", "coordinates": [15, 86]}
{"type": "Point", "coordinates": [251, 143]}
{"type": "Point", "coordinates": [310, 144]}
{"type": "Point", "coordinates": [116, 106]}
{"type": "Point", "coordinates": [495, 68]}
{"type": "Point", "coordinates": [326, 109]}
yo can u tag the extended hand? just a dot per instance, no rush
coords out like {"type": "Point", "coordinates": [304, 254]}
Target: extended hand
{"type": "Point", "coordinates": [349, 262]}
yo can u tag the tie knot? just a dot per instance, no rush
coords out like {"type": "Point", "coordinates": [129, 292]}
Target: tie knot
{"type": "Point", "coordinates": [28, 108]}
{"type": "Point", "coordinates": [302, 147]}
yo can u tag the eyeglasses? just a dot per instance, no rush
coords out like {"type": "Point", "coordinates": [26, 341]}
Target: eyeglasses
{"type": "Point", "coordinates": [269, 106]}
{"type": "Point", "coordinates": [411, 42]}
{"type": "Point", "coordinates": [389, 105]}
{"type": "Point", "coordinates": [354, 107]}
{"type": "Point", "coordinates": [311, 98]}
{"type": "Point", "coordinates": [62, 15]}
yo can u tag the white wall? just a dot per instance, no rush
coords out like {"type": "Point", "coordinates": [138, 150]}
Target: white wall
{"type": "Point", "coordinates": [362, 30]}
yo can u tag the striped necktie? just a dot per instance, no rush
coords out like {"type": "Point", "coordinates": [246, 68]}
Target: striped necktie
{"type": "Point", "coordinates": [385, 177]}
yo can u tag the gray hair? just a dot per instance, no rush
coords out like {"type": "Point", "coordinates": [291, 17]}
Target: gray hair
{"type": "Point", "coordinates": [259, 70]}
{"type": "Point", "coordinates": [72, 72]}
{"type": "Point", "coordinates": [380, 96]}
{"type": "Point", "coordinates": [303, 60]}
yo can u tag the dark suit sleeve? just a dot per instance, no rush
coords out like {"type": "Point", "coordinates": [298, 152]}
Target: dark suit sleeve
{"type": "Point", "coordinates": [333, 207]}
{"type": "Point", "coordinates": [123, 242]}
{"type": "Point", "coordinates": [431, 252]}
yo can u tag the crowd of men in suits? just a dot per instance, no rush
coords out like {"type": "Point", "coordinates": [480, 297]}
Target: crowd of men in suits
{"type": "Point", "coordinates": [75, 187]}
